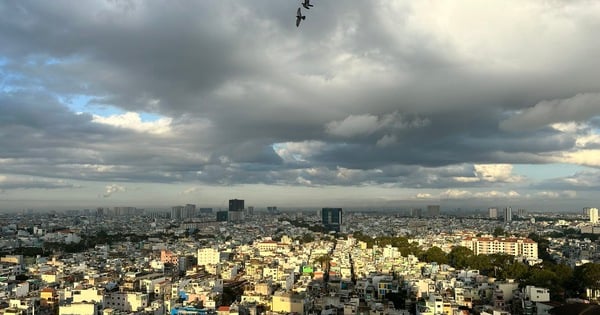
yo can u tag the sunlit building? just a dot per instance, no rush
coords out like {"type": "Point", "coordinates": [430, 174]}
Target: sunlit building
{"type": "Point", "coordinates": [593, 215]}
{"type": "Point", "coordinates": [493, 213]}
{"type": "Point", "coordinates": [516, 246]}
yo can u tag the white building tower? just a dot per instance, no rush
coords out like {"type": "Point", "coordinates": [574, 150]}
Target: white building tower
{"type": "Point", "coordinates": [507, 214]}
{"type": "Point", "coordinates": [593, 215]}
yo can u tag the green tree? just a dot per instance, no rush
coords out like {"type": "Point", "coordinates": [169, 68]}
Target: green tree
{"type": "Point", "coordinates": [307, 238]}
{"type": "Point", "coordinates": [543, 245]}
{"type": "Point", "coordinates": [481, 262]}
{"type": "Point", "coordinates": [324, 261]}
{"type": "Point", "coordinates": [540, 277]}
{"type": "Point", "coordinates": [587, 276]}
{"type": "Point", "coordinates": [498, 231]}
{"type": "Point", "coordinates": [563, 273]}
{"type": "Point", "coordinates": [459, 257]}
{"type": "Point", "coordinates": [434, 254]}
{"type": "Point", "coordinates": [516, 270]}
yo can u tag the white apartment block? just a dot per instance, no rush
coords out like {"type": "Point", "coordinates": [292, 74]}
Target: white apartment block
{"type": "Point", "coordinates": [267, 246]}
{"type": "Point", "coordinates": [88, 295]}
{"type": "Point", "coordinates": [536, 294]}
{"type": "Point", "coordinates": [208, 256]}
{"type": "Point", "coordinates": [78, 309]}
{"type": "Point", "coordinates": [126, 301]}
{"type": "Point", "coordinates": [516, 246]}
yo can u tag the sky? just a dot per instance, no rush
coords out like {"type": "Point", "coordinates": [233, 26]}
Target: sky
{"type": "Point", "coordinates": [379, 103]}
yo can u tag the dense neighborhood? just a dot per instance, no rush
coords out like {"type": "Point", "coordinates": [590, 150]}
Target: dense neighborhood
{"type": "Point", "coordinates": [196, 261]}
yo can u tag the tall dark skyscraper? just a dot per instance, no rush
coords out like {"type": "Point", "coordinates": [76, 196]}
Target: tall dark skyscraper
{"type": "Point", "coordinates": [236, 205]}
{"type": "Point", "coordinates": [332, 219]}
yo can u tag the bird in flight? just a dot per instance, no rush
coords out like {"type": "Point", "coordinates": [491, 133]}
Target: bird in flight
{"type": "Point", "coordinates": [306, 4]}
{"type": "Point", "coordinates": [299, 17]}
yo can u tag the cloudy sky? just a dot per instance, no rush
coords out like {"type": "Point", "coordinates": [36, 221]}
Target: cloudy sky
{"type": "Point", "coordinates": [386, 103]}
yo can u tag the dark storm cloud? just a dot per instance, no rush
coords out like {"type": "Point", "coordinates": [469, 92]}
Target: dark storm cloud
{"type": "Point", "coordinates": [578, 108]}
{"type": "Point", "coordinates": [389, 96]}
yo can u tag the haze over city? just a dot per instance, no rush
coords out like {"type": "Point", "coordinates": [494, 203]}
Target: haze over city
{"type": "Point", "coordinates": [366, 103]}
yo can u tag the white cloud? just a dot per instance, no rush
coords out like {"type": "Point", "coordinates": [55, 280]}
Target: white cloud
{"type": "Point", "coordinates": [424, 196]}
{"type": "Point", "coordinates": [353, 126]}
{"type": "Point", "coordinates": [191, 190]}
{"type": "Point", "coordinates": [303, 181]}
{"type": "Point", "coordinates": [496, 194]}
{"type": "Point", "coordinates": [133, 121]}
{"type": "Point", "coordinates": [386, 140]}
{"type": "Point", "coordinates": [496, 173]}
{"type": "Point", "coordinates": [476, 34]}
{"type": "Point", "coordinates": [582, 157]}
{"type": "Point", "coordinates": [297, 151]}
{"type": "Point", "coordinates": [513, 193]}
{"type": "Point", "coordinates": [456, 194]}
{"type": "Point", "coordinates": [491, 173]}
{"type": "Point", "coordinates": [567, 127]}
{"type": "Point", "coordinates": [587, 140]}
{"type": "Point", "coordinates": [111, 189]}
{"type": "Point", "coordinates": [463, 179]}
{"type": "Point", "coordinates": [556, 194]}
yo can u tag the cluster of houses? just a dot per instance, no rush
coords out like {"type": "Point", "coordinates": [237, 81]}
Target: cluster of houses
{"type": "Point", "coordinates": [264, 266]}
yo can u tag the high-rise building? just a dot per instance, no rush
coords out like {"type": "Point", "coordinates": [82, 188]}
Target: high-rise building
{"type": "Point", "coordinates": [507, 214]}
{"type": "Point", "coordinates": [493, 213]}
{"type": "Point", "coordinates": [416, 212]}
{"type": "Point", "coordinates": [236, 205]}
{"type": "Point", "coordinates": [521, 213]}
{"type": "Point", "coordinates": [332, 219]}
{"type": "Point", "coordinates": [236, 210]}
{"type": "Point", "coordinates": [586, 211]}
{"type": "Point", "coordinates": [177, 212]}
{"type": "Point", "coordinates": [222, 216]}
{"type": "Point", "coordinates": [272, 209]}
{"type": "Point", "coordinates": [125, 211]}
{"type": "Point", "coordinates": [189, 211]}
{"type": "Point", "coordinates": [593, 215]}
{"type": "Point", "coordinates": [433, 210]}
{"type": "Point", "coordinates": [235, 216]}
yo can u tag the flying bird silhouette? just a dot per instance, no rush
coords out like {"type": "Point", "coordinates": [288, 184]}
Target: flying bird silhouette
{"type": "Point", "coordinates": [299, 17]}
{"type": "Point", "coordinates": [306, 4]}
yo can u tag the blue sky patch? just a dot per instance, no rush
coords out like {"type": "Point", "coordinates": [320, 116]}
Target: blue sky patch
{"type": "Point", "coordinates": [81, 104]}
{"type": "Point", "coordinates": [547, 171]}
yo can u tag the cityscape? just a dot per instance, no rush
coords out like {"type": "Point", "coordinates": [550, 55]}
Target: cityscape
{"type": "Point", "coordinates": [297, 157]}
{"type": "Point", "coordinates": [247, 260]}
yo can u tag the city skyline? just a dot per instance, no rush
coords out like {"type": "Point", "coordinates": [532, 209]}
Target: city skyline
{"type": "Point", "coordinates": [379, 103]}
